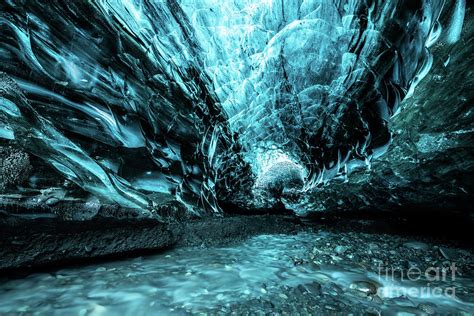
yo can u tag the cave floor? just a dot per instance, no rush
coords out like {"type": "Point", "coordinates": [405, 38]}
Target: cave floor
{"type": "Point", "coordinates": [312, 271]}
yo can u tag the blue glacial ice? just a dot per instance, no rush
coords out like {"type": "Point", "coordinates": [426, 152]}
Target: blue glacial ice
{"type": "Point", "coordinates": [223, 100]}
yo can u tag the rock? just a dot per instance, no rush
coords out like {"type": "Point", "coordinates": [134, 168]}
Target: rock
{"type": "Point", "coordinates": [448, 253]}
{"type": "Point", "coordinates": [298, 261]}
{"type": "Point", "coordinates": [52, 201]}
{"type": "Point", "coordinates": [364, 287]}
{"type": "Point", "coordinates": [268, 305]}
{"type": "Point", "coordinates": [373, 246]}
{"type": "Point", "coordinates": [340, 249]}
{"type": "Point", "coordinates": [332, 289]}
{"type": "Point", "coordinates": [14, 167]}
{"type": "Point", "coordinates": [283, 296]}
{"type": "Point", "coordinates": [416, 245]}
{"type": "Point", "coordinates": [314, 288]}
{"type": "Point", "coordinates": [428, 308]}
{"type": "Point", "coordinates": [330, 307]}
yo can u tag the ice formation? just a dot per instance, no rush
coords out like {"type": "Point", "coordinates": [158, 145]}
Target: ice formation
{"type": "Point", "coordinates": [210, 101]}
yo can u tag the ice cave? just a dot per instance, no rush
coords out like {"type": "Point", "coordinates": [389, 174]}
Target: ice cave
{"type": "Point", "coordinates": [236, 157]}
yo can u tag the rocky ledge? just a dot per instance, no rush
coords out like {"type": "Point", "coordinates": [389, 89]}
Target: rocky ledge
{"type": "Point", "coordinates": [28, 244]}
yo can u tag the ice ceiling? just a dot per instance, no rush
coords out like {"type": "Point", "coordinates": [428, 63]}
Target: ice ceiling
{"type": "Point", "coordinates": [234, 101]}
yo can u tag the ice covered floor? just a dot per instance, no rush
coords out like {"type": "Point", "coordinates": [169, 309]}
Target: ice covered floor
{"type": "Point", "coordinates": [307, 273]}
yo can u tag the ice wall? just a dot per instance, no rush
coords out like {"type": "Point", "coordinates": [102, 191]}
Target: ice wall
{"type": "Point", "coordinates": [218, 93]}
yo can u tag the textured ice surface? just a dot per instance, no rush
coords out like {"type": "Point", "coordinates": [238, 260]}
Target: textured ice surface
{"type": "Point", "coordinates": [217, 92]}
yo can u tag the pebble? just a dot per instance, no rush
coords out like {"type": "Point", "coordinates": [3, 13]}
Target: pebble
{"type": "Point", "coordinates": [268, 305]}
{"type": "Point", "coordinates": [283, 296]}
{"type": "Point", "coordinates": [448, 253]}
{"type": "Point", "coordinates": [52, 201]}
{"type": "Point", "coordinates": [332, 289]}
{"type": "Point", "coordinates": [428, 308]}
{"type": "Point", "coordinates": [416, 245]}
{"type": "Point", "coordinates": [300, 290]}
{"type": "Point", "coordinates": [364, 286]}
{"type": "Point", "coordinates": [313, 288]}
{"type": "Point", "coordinates": [373, 246]}
{"type": "Point", "coordinates": [340, 249]}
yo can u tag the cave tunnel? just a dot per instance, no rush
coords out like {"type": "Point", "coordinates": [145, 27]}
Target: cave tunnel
{"type": "Point", "coordinates": [280, 157]}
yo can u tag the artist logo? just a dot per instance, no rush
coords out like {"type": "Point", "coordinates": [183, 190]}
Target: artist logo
{"type": "Point", "coordinates": [433, 281]}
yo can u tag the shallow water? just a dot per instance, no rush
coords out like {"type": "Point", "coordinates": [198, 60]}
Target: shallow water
{"type": "Point", "coordinates": [190, 280]}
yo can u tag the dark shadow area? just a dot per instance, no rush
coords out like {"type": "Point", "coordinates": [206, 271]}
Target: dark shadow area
{"type": "Point", "coordinates": [454, 227]}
